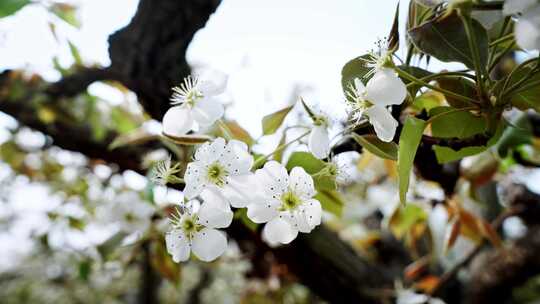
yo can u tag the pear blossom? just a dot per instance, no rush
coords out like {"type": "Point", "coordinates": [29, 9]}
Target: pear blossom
{"type": "Point", "coordinates": [285, 203]}
{"type": "Point", "coordinates": [129, 211]}
{"type": "Point", "coordinates": [194, 101]}
{"type": "Point", "coordinates": [165, 172]}
{"type": "Point", "coordinates": [319, 141]}
{"type": "Point", "coordinates": [222, 168]}
{"type": "Point", "coordinates": [385, 88]}
{"type": "Point", "coordinates": [195, 229]}
{"type": "Point", "coordinates": [527, 28]}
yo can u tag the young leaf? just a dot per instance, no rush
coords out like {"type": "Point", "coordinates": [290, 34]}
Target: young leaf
{"type": "Point", "coordinates": [445, 39]}
{"type": "Point", "coordinates": [393, 38]}
{"type": "Point", "coordinates": [331, 201]}
{"type": "Point", "coordinates": [449, 123]}
{"type": "Point", "coordinates": [188, 140]}
{"type": "Point", "coordinates": [356, 68]}
{"type": "Point", "coordinates": [386, 150]}
{"type": "Point", "coordinates": [312, 165]}
{"type": "Point", "coordinates": [10, 7]}
{"type": "Point", "coordinates": [408, 143]}
{"type": "Point", "coordinates": [452, 232]}
{"type": "Point", "coordinates": [66, 12]}
{"type": "Point", "coordinates": [404, 218]}
{"type": "Point", "coordinates": [75, 53]}
{"type": "Point", "coordinates": [135, 137]}
{"type": "Point", "coordinates": [272, 122]}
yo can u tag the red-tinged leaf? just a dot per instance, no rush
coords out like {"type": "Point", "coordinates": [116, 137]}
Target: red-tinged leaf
{"type": "Point", "coordinates": [491, 234]}
{"type": "Point", "coordinates": [417, 268]}
{"type": "Point", "coordinates": [427, 284]}
{"type": "Point", "coordinates": [470, 226]}
{"type": "Point", "coordinates": [452, 232]}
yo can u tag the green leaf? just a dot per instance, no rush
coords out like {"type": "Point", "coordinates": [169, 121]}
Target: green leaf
{"type": "Point", "coordinates": [239, 133]}
{"type": "Point", "coordinates": [428, 101]}
{"type": "Point", "coordinates": [123, 120]}
{"type": "Point", "coordinates": [445, 39]}
{"type": "Point", "coordinates": [449, 123]}
{"type": "Point", "coordinates": [278, 155]}
{"type": "Point", "coordinates": [416, 72]}
{"type": "Point", "coordinates": [75, 53]}
{"type": "Point", "coordinates": [10, 7]}
{"type": "Point", "coordinates": [526, 98]}
{"type": "Point", "coordinates": [66, 12]}
{"type": "Point", "coordinates": [387, 150]}
{"type": "Point", "coordinates": [404, 218]}
{"type": "Point", "coordinates": [85, 267]}
{"type": "Point", "coordinates": [331, 201]}
{"type": "Point", "coordinates": [272, 122]}
{"type": "Point", "coordinates": [356, 68]}
{"type": "Point", "coordinates": [458, 85]}
{"type": "Point", "coordinates": [446, 154]}
{"type": "Point", "coordinates": [515, 135]}
{"type": "Point", "coordinates": [312, 165]}
{"type": "Point", "coordinates": [241, 214]}
{"type": "Point", "coordinates": [408, 144]}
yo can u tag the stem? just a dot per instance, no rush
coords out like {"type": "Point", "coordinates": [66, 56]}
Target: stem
{"type": "Point", "coordinates": [261, 159]}
{"type": "Point", "coordinates": [501, 40]}
{"type": "Point", "coordinates": [473, 46]}
{"type": "Point", "coordinates": [410, 77]}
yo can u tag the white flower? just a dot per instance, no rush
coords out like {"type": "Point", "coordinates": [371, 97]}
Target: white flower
{"type": "Point", "coordinates": [407, 296]}
{"type": "Point", "coordinates": [319, 141]}
{"type": "Point", "coordinates": [223, 168]}
{"type": "Point", "coordinates": [527, 28]}
{"type": "Point", "coordinates": [129, 211]}
{"type": "Point", "coordinates": [285, 203]}
{"type": "Point", "coordinates": [194, 102]}
{"type": "Point", "coordinates": [196, 230]}
{"type": "Point", "coordinates": [165, 172]}
{"type": "Point", "coordinates": [385, 88]}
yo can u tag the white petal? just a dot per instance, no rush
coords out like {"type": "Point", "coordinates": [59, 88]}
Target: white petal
{"type": "Point", "coordinates": [359, 86]}
{"type": "Point", "coordinates": [527, 30]}
{"type": "Point", "coordinates": [511, 7]}
{"type": "Point", "coordinates": [209, 152]}
{"type": "Point", "coordinates": [319, 142]}
{"type": "Point", "coordinates": [313, 212]}
{"type": "Point", "coordinates": [212, 82]}
{"type": "Point", "coordinates": [213, 215]}
{"type": "Point", "coordinates": [385, 125]}
{"type": "Point", "coordinates": [195, 180]}
{"type": "Point", "coordinates": [177, 245]}
{"type": "Point", "coordinates": [280, 231]}
{"type": "Point", "coordinates": [385, 88]}
{"type": "Point", "coordinates": [239, 190]}
{"type": "Point", "coordinates": [237, 159]}
{"type": "Point", "coordinates": [297, 220]}
{"type": "Point", "coordinates": [207, 111]}
{"type": "Point", "coordinates": [208, 244]}
{"type": "Point", "coordinates": [272, 178]}
{"type": "Point", "coordinates": [410, 297]}
{"type": "Point", "coordinates": [263, 211]}
{"type": "Point", "coordinates": [177, 121]}
{"type": "Point", "coordinates": [301, 183]}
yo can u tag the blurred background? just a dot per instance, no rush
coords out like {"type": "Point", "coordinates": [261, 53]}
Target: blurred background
{"type": "Point", "coordinates": [65, 165]}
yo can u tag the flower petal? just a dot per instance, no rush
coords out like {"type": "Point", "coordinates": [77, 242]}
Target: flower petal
{"type": "Point", "coordinates": [239, 190]}
{"type": "Point", "coordinates": [385, 125]}
{"type": "Point", "coordinates": [280, 231]}
{"type": "Point", "coordinates": [511, 7]}
{"type": "Point", "coordinates": [527, 29]}
{"type": "Point", "coordinates": [194, 179]}
{"type": "Point", "coordinates": [177, 121]}
{"type": "Point", "coordinates": [301, 183]}
{"type": "Point", "coordinates": [385, 88]}
{"type": "Point", "coordinates": [263, 211]}
{"type": "Point", "coordinates": [272, 179]}
{"type": "Point", "coordinates": [237, 159]}
{"type": "Point", "coordinates": [313, 212]}
{"type": "Point", "coordinates": [319, 142]}
{"type": "Point", "coordinates": [212, 82]}
{"type": "Point", "coordinates": [207, 111]}
{"type": "Point", "coordinates": [177, 245]}
{"type": "Point", "coordinates": [209, 152]}
{"type": "Point", "coordinates": [297, 220]}
{"type": "Point", "coordinates": [208, 244]}
{"type": "Point", "coordinates": [212, 213]}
